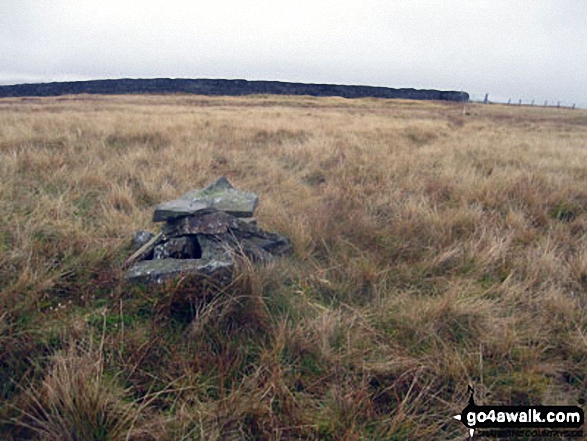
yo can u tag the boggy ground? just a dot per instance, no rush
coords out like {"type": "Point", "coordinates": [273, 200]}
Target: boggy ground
{"type": "Point", "coordinates": [433, 249]}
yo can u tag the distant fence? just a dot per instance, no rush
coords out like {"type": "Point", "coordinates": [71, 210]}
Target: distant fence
{"type": "Point", "coordinates": [530, 103]}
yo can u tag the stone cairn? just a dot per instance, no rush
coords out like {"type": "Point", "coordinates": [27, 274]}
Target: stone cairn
{"type": "Point", "coordinates": [204, 231]}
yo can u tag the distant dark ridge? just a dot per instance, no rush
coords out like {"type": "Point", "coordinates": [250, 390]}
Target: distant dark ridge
{"type": "Point", "coordinates": [221, 87]}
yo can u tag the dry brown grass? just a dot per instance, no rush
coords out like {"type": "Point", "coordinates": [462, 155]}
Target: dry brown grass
{"type": "Point", "coordinates": [432, 250]}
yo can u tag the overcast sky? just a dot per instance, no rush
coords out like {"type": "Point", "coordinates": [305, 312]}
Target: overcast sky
{"type": "Point", "coordinates": [529, 49]}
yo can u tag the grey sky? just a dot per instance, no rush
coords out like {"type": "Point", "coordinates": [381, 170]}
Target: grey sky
{"type": "Point", "coordinates": [529, 49]}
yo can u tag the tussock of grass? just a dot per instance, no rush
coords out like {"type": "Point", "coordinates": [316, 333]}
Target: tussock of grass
{"type": "Point", "coordinates": [76, 400]}
{"type": "Point", "coordinates": [432, 250]}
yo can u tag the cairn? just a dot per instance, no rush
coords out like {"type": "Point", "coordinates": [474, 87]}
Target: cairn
{"type": "Point", "coordinates": [205, 230]}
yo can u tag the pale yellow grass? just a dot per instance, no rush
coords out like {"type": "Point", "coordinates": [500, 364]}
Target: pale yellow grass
{"type": "Point", "coordinates": [432, 250]}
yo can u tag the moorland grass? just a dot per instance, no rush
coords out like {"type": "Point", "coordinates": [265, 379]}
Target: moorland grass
{"type": "Point", "coordinates": [433, 249]}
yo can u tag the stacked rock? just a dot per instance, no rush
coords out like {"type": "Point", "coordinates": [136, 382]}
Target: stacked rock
{"type": "Point", "coordinates": [204, 230]}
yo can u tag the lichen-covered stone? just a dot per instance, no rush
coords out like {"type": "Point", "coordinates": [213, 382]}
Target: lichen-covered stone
{"type": "Point", "coordinates": [216, 222]}
{"type": "Point", "coordinates": [178, 208]}
{"type": "Point", "coordinates": [220, 195]}
{"type": "Point", "coordinates": [140, 238]}
{"type": "Point", "coordinates": [159, 271]}
{"type": "Point", "coordinates": [248, 236]}
{"type": "Point", "coordinates": [206, 232]}
{"type": "Point", "coordinates": [185, 247]}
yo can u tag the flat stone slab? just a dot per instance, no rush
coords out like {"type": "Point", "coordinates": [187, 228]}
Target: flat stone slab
{"type": "Point", "coordinates": [158, 271]}
{"type": "Point", "coordinates": [220, 195]}
{"type": "Point", "coordinates": [178, 208]}
{"type": "Point", "coordinates": [210, 223]}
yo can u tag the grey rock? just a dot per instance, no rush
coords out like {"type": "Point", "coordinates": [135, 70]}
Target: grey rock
{"type": "Point", "coordinates": [258, 249]}
{"type": "Point", "coordinates": [220, 195]}
{"type": "Point", "coordinates": [186, 247]}
{"type": "Point", "coordinates": [216, 222]}
{"type": "Point", "coordinates": [178, 208]}
{"type": "Point", "coordinates": [145, 252]}
{"type": "Point", "coordinates": [159, 271]}
{"type": "Point", "coordinates": [250, 238]}
{"type": "Point", "coordinates": [214, 248]}
{"type": "Point", "coordinates": [243, 237]}
{"type": "Point", "coordinates": [205, 233]}
{"type": "Point", "coordinates": [140, 238]}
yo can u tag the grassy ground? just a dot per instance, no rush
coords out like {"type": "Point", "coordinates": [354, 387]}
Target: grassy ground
{"type": "Point", "coordinates": [433, 249]}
